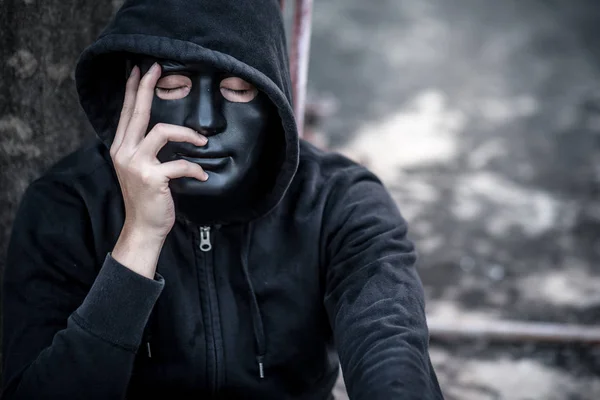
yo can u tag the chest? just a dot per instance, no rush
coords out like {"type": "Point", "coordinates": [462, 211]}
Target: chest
{"type": "Point", "coordinates": [232, 295]}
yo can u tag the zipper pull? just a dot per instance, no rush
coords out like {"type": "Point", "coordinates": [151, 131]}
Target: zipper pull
{"type": "Point", "coordinates": [149, 349]}
{"type": "Point", "coordinates": [205, 238]}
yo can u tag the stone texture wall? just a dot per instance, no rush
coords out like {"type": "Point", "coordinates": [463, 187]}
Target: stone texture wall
{"type": "Point", "coordinates": [40, 116]}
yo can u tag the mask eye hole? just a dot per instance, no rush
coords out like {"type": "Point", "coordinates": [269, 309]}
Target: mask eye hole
{"type": "Point", "coordinates": [237, 90]}
{"type": "Point", "coordinates": [173, 87]}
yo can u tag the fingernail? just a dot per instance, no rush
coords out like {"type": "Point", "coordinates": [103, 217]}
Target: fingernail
{"type": "Point", "coordinates": [133, 71]}
{"type": "Point", "coordinates": [205, 176]}
{"type": "Point", "coordinates": [153, 67]}
{"type": "Point", "coordinates": [203, 140]}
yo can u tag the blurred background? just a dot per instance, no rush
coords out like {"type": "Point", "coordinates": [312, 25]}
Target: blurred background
{"type": "Point", "coordinates": [482, 117]}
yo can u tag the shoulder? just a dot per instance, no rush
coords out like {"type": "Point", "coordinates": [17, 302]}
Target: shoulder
{"type": "Point", "coordinates": [70, 183]}
{"type": "Point", "coordinates": [327, 167]}
{"type": "Point", "coordinates": [88, 159]}
{"type": "Point", "coordinates": [342, 184]}
{"type": "Point", "coordinates": [328, 171]}
{"type": "Point", "coordinates": [330, 186]}
{"type": "Point", "coordinates": [87, 168]}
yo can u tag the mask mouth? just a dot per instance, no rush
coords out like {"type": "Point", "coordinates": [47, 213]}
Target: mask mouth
{"type": "Point", "coordinates": [211, 162]}
{"type": "Point", "coordinates": [185, 149]}
{"type": "Point", "coordinates": [201, 155]}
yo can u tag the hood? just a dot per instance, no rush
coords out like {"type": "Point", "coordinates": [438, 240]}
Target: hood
{"type": "Point", "coordinates": [242, 37]}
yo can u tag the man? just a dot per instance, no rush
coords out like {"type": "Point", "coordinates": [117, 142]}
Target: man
{"type": "Point", "coordinates": [197, 248]}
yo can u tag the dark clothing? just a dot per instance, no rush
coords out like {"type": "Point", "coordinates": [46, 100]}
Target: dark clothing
{"type": "Point", "coordinates": [322, 263]}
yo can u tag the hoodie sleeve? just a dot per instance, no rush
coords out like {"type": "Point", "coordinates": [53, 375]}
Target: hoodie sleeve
{"type": "Point", "coordinates": [69, 331]}
{"type": "Point", "coordinates": [374, 297]}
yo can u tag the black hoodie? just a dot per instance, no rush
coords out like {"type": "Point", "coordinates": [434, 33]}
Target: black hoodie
{"type": "Point", "coordinates": [322, 263]}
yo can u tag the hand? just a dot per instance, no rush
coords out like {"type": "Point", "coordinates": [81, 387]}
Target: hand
{"type": "Point", "coordinates": [144, 180]}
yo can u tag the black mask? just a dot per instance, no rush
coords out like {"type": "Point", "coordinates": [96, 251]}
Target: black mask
{"type": "Point", "coordinates": [236, 119]}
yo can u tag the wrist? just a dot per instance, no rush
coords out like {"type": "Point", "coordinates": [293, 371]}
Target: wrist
{"type": "Point", "coordinates": [142, 236]}
{"type": "Point", "coordinates": [138, 250]}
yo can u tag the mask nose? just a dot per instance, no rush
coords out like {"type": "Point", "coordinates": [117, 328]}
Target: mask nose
{"type": "Point", "coordinates": [205, 112]}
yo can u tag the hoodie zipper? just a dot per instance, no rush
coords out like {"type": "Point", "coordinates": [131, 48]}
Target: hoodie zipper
{"type": "Point", "coordinates": [205, 244]}
{"type": "Point", "coordinates": [213, 333]}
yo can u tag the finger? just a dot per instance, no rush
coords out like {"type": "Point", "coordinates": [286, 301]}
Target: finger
{"type": "Point", "coordinates": [128, 104]}
{"type": "Point", "coordinates": [182, 168]}
{"type": "Point", "coordinates": [141, 111]}
{"type": "Point", "coordinates": [163, 133]}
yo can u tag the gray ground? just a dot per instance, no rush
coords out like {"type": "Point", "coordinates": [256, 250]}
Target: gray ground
{"type": "Point", "coordinates": [483, 119]}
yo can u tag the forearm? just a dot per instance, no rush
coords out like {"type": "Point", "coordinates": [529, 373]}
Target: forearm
{"type": "Point", "coordinates": [385, 356]}
{"type": "Point", "coordinates": [381, 334]}
{"type": "Point", "coordinates": [93, 356]}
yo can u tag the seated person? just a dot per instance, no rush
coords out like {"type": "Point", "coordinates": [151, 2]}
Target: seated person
{"type": "Point", "coordinates": [197, 248]}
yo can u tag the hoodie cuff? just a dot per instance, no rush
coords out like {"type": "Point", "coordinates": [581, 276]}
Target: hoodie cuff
{"type": "Point", "coordinates": [119, 304]}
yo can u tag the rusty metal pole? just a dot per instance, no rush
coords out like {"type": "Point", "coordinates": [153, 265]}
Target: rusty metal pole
{"type": "Point", "coordinates": [514, 331]}
{"type": "Point", "coordinates": [299, 58]}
